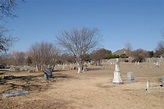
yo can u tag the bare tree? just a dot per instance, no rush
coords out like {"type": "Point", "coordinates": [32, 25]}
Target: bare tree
{"type": "Point", "coordinates": [4, 57]}
{"type": "Point", "coordinates": [6, 41]}
{"type": "Point", "coordinates": [19, 57]}
{"type": "Point", "coordinates": [66, 58]}
{"type": "Point", "coordinates": [159, 49]}
{"type": "Point", "coordinates": [7, 7]}
{"type": "Point", "coordinates": [6, 10]}
{"type": "Point", "coordinates": [140, 54]}
{"type": "Point", "coordinates": [129, 48]}
{"type": "Point", "coordinates": [79, 42]}
{"type": "Point", "coordinates": [43, 54]}
{"type": "Point", "coordinates": [99, 54]}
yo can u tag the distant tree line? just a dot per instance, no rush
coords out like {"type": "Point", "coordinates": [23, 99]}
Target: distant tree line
{"type": "Point", "coordinates": [44, 53]}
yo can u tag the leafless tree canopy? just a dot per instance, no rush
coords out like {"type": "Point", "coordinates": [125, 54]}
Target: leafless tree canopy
{"type": "Point", "coordinates": [18, 57]}
{"type": "Point", "coordinates": [129, 48]}
{"type": "Point", "coordinates": [159, 49]}
{"type": "Point", "coordinates": [7, 7]}
{"type": "Point", "coordinates": [5, 41]}
{"type": "Point", "coordinates": [43, 54]}
{"type": "Point", "coordinates": [140, 54]}
{"type": "Point", "coordinates": [6, 10]}
{"type": "Point", "coordinates": [79, 41]}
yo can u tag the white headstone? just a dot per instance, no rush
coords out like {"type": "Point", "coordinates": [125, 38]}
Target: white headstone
{"type": "Point", "coordinates": [162, 81]}
{"type": "Point", "coordinates": [138, 63]}
{"type": "Point", "coordinates": [36, 68]}
{"type": "Point", "coordinates": [63, 66]}
{"type": "Point", "coordinates": [84, 68]}
{"type": "Point", "coordinates": [157, 64]}
{"type": "Point", "coordinates": [117, 75]}
{"type": "Point", "coordinates": [148, 85]}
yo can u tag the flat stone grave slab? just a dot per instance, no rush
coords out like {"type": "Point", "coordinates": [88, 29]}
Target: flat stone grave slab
{"type": "Point", "coordinates": [16, 93]}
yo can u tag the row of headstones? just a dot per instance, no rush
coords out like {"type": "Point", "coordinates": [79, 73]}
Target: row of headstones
{"type": "Point", "coordinates": [117, 75]}
{"type": "Point", "coordinates": [130, 76]}
{"type": "Point", "coordinates": [48, 71]}
{"type": "Point", "coordinates": [31, 69]}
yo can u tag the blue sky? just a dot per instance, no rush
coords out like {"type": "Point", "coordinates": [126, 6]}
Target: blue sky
{"type": "Point", "coordinates": [119, 21]}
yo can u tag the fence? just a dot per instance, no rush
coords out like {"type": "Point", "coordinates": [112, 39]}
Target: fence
{"type": "Point", "coordinates": [130, 59]}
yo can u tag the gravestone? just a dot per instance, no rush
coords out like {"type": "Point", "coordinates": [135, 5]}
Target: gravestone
{"type": "Point", "coordinates": [138, 63]}
{"type": "Point", "coordinates": [47, 73]}
{"type": "Point", "coordinates": [36, 68]}
{"type": "Point", "coordinates": [162, 78]}
{"type": "Point", "coordinates": [84, 68]}
{"type": "Point", "coordinates": [148, 85]}
{"type": "Point", "coordinates": [12, 68]}
{"type": "Point", "coordinates": [117, 74]}
{"type": "Point", "coordinates": [157, 64]}
{"type": "Point", "coordinates": [130, 76]}
{"type": "Point", "coordinates": [30, 71]}
{"type": "Point", "coordinates": [63, 66]}
{"type": "Point", "coordinates": [16, 93]}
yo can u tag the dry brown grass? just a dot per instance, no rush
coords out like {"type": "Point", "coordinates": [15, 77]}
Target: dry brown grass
{"type": "Point", "coordinates": [90, 90]}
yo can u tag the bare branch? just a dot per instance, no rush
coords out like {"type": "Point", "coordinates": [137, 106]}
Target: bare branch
{"type": "Point", "coordinates": [79, 42]}
{"type": "Point", "coordinates": [6, 41]}
{"type": "Point", "coordinates": [44, 53]}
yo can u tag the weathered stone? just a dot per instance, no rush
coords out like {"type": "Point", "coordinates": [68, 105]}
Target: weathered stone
{"type": "Point", "coordinates": [12, 68]}
{"type": "Point", "coordinates": [84, 68]}
{"type": "Point", "coordinates": [162, 78]}
{"type": "Point", "coordinates": [30, 71]}
{"type": "Point", "coordinates": [48, 73]}
{"type": "Point", "coordinates": [10, 94]}
{"type": "Point", "coordinates": [148, 85]}
{"type": "Point", "coordinates": [36, 68]}
{"type": "Point", "coordinates": [117, 74]}
{"type": "Point", "coordinates": [130, 76]}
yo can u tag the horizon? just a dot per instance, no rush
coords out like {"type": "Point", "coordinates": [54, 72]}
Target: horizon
{"type": "Point", "coordinates": [138, 22]}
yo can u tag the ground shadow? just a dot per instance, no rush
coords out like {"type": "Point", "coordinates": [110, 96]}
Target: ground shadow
{"type": "Point", "coordinates": [28, 83]}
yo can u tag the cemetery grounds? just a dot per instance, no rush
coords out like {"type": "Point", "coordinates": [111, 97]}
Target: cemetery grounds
{"type": "Point", "coordinates": [89, 90]}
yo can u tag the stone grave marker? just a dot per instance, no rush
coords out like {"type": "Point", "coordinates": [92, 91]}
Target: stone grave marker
{"type": "Point", "coordinates": [84, 67]}
{"type": "Point", "coordinates": [36, 68]}
{"type": "Point", "coordinates": [30, 71]}
{"type": "Point", "coordinates": [130, 76]}
{"type": "Point", "coordinates": [48, 73]}
{"type": "Point", "coordinates": [138, 63]}
{"type": "Point", "coordinates": [12, 68]}
{"type": "Point", "coordinates": [148, 85]}
{"type": "Point", "coordinates": [16, 93]}
{"type": "Point", "coordinates": [162, 78]}
{"type": "Point", "coordinates": [117, 74]}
